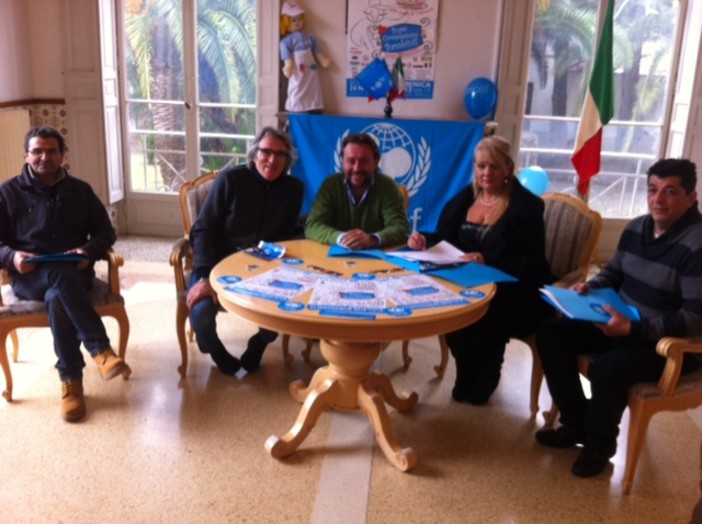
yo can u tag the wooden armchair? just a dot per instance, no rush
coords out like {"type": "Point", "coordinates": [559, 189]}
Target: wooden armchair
{"type": "Point", "coordinates": [192, 198]}
{"type": "Point", "coordinates": [16, 313]}
{"type": "Point", "coordinates": [672, 392]}
{"type": "Point", "coordinates": [572, 232]}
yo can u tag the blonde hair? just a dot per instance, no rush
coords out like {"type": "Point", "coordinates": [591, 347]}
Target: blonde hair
{"type": "Point", "coordinates": [500, 151]}
{"type": "Point", "coordinates": [285, 21]}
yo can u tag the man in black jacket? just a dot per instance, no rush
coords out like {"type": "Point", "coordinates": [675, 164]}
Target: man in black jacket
{"type": "Point", "coordinates": [247, 204]}
{"type": "Point", "coordinates": [46, 211]}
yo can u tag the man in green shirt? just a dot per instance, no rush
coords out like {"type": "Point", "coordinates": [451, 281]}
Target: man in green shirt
{"type": "Point", "coordinates": [360, 208]}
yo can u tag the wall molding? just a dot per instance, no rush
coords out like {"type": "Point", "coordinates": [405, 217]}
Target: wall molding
{"type": "Point", "coordinates": [32, 101]}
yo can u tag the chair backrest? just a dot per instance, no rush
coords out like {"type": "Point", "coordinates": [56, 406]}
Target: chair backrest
{"type": "Point", "coordinates": [192, 197]}
{"type": "Point", "coordinates": [405, 194]}
{"type": "Point", "coordinates": [572, 231]}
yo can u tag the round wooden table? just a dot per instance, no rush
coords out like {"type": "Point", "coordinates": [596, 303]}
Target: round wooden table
{"type": "Point", "coordinates": [349, 345]}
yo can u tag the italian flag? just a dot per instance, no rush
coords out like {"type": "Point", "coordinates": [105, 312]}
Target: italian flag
{"type": "Point", "coordinates": [598, 109]}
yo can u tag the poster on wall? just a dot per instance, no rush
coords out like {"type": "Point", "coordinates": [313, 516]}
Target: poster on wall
{"type": "Point", "coordinates": [392, 29]}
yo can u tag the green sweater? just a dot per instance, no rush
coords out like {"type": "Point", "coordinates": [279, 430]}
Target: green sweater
{"type": "Point", "coordinates": [382, 212]}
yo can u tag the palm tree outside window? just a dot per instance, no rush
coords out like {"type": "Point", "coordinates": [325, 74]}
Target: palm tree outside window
{"type": "Point", "coordinates": [190, 95]}
{"type": "Point", "coordinates": [563, 42]}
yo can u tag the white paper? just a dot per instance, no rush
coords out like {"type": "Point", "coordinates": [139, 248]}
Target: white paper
{"type": "Point", "coordinates": [419, 292]}
{"type": "Point", "coordinates": [441, 253]}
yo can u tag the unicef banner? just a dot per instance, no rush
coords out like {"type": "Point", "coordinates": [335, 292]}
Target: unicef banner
{"type": "Point", "coordinates": [434, 159]}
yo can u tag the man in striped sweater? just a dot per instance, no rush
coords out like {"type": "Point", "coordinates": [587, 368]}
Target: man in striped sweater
{"type": "Point", "coordinates": [657, 268]}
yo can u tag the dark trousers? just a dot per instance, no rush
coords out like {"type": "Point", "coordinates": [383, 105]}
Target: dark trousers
{"type": "Point", "coordinates": [619, 363]}
{"type": "Point", "coordinates": [479, 349]}
{"type": "Point", "coordinates": [72, 318]}
{"type": "Point", "coordinates": [203, 320]}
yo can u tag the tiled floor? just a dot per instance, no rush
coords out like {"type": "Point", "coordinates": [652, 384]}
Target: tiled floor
{"type": "Point", "coordinates": [160, 449]}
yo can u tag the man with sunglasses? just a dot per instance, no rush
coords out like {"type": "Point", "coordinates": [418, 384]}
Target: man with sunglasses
{"type": "Point", "coordinates": [247, 203]}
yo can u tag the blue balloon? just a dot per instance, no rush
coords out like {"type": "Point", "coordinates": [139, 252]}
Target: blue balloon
{"type": "Point", "coordinates": [534, 179]}
{"type": "Point", "coordinates": [480, 97]}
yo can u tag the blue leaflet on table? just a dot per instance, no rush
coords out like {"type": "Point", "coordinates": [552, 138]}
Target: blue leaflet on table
{"type": "Point", "coordinates": [398, 311]}
{"type": "Point", "coordinates": [252, 293]}
{"type": "Point", "coordinates": [293, 261]}
{"type": "Point", "coordinates": [267, 251]}
{"type": "Point", "coordinates": [473, 274]}
{"type": "Point", "coordinates": [291, 306]}
{"type": "Point", "coordinates": [228, 279]}
{"type": "Point", "coordinates": [346, 314]}
{"type": "Point", "coordinates": [339, 251]}
{"type": "Point", "coordinates": [472, 293]}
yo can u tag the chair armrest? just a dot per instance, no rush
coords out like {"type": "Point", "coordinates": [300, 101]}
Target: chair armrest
{"type": "Point", "coordinates": [181, 260]}
{"type": "Point", "coordinates": [674, 349]}
{"type": "Point", "coordinates": [114, 262]}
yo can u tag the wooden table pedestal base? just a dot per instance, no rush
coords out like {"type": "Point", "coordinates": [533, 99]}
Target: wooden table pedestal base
{"type": "Point", "coordinates": [348, 383]}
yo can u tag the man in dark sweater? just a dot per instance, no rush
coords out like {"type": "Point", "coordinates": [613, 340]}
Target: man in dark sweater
{"type": "Point", "coordinates": [657, 269]}
{"type": "Point", "coordinates": [247, 204]}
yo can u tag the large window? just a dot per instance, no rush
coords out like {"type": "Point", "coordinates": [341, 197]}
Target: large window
{"type": "Point", "coordinates": [563, 43]}
{"type": "Point", "coordinates": [190, 93]}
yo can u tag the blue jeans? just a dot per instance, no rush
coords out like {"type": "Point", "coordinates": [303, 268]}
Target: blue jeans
{"type": "Point", "coordinates": [203, 320]}
{"type": "Point", "coordinates": [65, 292]}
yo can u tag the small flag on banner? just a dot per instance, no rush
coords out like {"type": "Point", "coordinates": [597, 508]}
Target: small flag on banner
{"type": "Point", "coordinates": [398, 80]}
{"type": "Point", "coordinates": [598, 109]}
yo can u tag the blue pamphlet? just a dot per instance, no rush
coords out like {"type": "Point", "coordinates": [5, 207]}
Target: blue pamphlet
{"type": "Point", "coordinates": [57, 257]}
{"type": "Point", "coordinates": [267, 251]}
{"type": "Point", "coordinates": [588, 306]}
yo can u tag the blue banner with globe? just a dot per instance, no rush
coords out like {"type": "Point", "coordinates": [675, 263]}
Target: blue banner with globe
{"type": "Point", "coordinates": [432, 158]}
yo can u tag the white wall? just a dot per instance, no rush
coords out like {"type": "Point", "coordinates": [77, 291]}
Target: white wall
{"type": "Point", "coordinates": [47, 53]}
{"type": "Point", "coordinates": [468, 44]}
{"type": "Point", "coordinates": [15, 48]}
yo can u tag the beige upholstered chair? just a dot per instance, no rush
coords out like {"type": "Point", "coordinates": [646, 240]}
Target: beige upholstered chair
{"type": "Point", "coordinates": [16, 313]}
{"type": "Point", "coordinates": [672, 392]}
{"type": "Point", "coordinates": [572, 232]}
{"type": "Point", "coordinates": [192, 198]}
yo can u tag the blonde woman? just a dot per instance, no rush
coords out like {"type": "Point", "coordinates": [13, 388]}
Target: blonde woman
{"type": "Point", "coordinates": [494, 221]}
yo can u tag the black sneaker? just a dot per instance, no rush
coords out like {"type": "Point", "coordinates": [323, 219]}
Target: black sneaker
{"type": "Point", "coordinates": [590, 463]}
{"type": "Point", "coordinates": [563, 437]}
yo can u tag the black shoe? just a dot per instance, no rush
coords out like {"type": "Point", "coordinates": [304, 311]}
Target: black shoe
{"type": "Point", "coordinates": [563, 437]}
{"type": "Point", "coordinates": [251, 359]}
{"type": "Point", "coordinates": [590, 463]}
{"type": "Point", "coordinates": [226, 363]}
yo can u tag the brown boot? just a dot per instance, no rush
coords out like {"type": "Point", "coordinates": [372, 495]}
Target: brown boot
{"type": "Point", "coordinates": [72, 401]}
{"type": "Point", "coordinates": [109, 364]}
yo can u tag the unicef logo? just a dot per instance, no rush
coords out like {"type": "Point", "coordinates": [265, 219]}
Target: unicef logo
{"type": "Point", "coordinates": [399, 157]}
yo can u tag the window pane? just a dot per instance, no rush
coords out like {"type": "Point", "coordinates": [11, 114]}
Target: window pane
{"type": "Point", "coordinates": [562, 47]}
{"type": "Point", "coordinates": [223, 76]}
{"type": "Point", "coordinates": [226, 81]}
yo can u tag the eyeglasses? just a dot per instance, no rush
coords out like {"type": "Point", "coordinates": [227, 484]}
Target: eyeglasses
{"type": "Point", "coordinates": [49, 152]}
{"type": "Point", "coordinates": [270, 152]}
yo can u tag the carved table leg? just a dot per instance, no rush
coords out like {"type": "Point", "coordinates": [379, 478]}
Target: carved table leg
{"type": "Point", "coordinates": [373, 406]}
{"type": "Point", "coordinates": [319, 400]}
{"type": "Point", "coordinates": [348, 383]}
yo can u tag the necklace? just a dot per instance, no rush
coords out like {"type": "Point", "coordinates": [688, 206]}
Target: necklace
{"type": "Point", "coordinates": [485, 202]}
